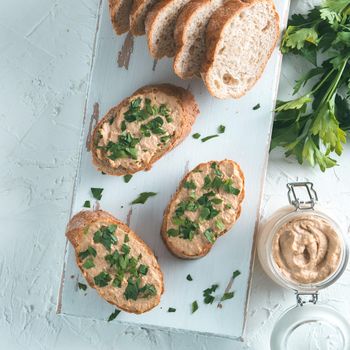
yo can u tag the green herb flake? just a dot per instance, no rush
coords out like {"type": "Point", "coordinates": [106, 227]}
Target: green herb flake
{"type": "Point", "coordinates": [105, 236]}
{"type": "Point", "coordinates": [219, 225]}
{"type": "Point", "coordinates": [196, 135]}
{"type": "Point", "coordinates": [228, 295]}
{"type": "Point", "coordinates": [189, 277]}
{"type": "Point", "coordinates": [257, 106]}
{"type": "Point", "coordinates": [127, 178]}
{"type": "Point", "coordinates": [142, 198]}
{"type": "Point", "coordinates": [209, 235]}
{"type": "Point", "coordinates": [125, 249]}
{"type": "Point", "coordinates": [207, 138]}
{"type": "Point", "coordinates": [102, 279]}
{"type": "Point", "coordinates": [88, 264]}
{"type": "Point", "coordinates": [126, 238]}
{"type": "Point", "coordinates": [194, 306]}
{"type": "Point", "coordinates": [87, 204]}
{"type": "Point", "coordinates": [113, 315]}
{"type": "Point", "coordinates": [171, 309]}
{"type": "Point", "coordinates": [172, 232]}
{"type": "Point", "coordinates": [190, 185]}
{"type": "Point", "coordinates": [82, 286]}
{"type": "Point", "coordinates": [143, 269]}
{"type": "Point", "coordinates": [221, 129]}
{"type": "Point", "coordinates": [236, 274]}
{"type": "Point", "coordinates": [97, 192]}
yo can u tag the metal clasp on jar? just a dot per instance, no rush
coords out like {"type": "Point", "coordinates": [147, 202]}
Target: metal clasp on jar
{"type": "Point", "coordinates": [303, 298]}
{"type": "Point", "coordinates": [307, 190]}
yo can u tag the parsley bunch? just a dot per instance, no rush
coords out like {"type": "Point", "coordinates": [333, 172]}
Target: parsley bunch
{"type": "Point", "coordinates": [313, 127]}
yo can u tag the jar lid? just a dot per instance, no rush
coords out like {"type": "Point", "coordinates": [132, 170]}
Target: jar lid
{"type": "Point", "coordinates": [311, 327]}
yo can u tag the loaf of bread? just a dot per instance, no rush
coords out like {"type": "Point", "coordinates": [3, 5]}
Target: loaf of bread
{"type": "Point", "coordinates": [142, 128]}
{"type": "Point", "coordinates": [240, 38]}
{"type": "Point", "coordinates": [115, 261]}
{"type": "Point", "coordinates": [205, 206]}
{"type": "Point", "coordinates": [119, 11]}
{"type": "Point", "coordinates": [139, 11]}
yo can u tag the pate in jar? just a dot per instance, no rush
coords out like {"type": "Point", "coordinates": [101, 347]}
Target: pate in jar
{"type": "Point", "coordinates": [303, 249]}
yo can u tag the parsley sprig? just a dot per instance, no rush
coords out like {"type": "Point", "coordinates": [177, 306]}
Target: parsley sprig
{"type": "Point", "coordinates": [313, 126]}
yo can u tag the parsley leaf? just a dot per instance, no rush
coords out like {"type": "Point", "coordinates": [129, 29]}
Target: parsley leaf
{"type": "Point", "coordinates": [221, 129]}
{"type": "Point", "coordinates": [228, 295]}
{"type": "Point", "coordinates": [207, 138]}
{"type": "Point", "coordinates": [127, 178]}
{"type": "Point", "coordinates": [189, 277]}
{"type": "Point", "coordinates": [257, 106]}
{"type": "Point", "coordinates": [102, 279]}
{"type": "Point", "coordinates": [87, 204]}
{"type": "Point", "coordinates": [82, 286]}
{"type": "Point", "coordinates": [142, 198]}
{"type": "Point", "coordinates": [88, 264]}
{"type": "Point", "coordinates": [97, 192]}
{"type": "Point", "coordinates": [196, 135]}
{"type": "Point", "coordinates": [171, 309]}
{"type": "Point", "coordinates": [113, 315]}
{"type": "Point", "coordinates": [194, 306]}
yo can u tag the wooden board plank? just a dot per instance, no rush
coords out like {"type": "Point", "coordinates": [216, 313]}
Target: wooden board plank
{"type": "Point", "coordinates": [246, 141]}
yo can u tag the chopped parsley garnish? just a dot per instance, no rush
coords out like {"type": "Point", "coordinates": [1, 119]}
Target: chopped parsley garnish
{"type": "Point", "coordinates": [207, 138]}
{"type": "Point", "coordinates": [102, 279]}
{"type": "Point", "coordinates": [105, 236]}
{"type": "Point", "coordinates": [236, 274]}
{"type": "Point", "coordinates": [133, 290]}
{"type": "Point", "coordinates": [82, 286]}
{"type": "Point", "coordinates": [87, 204]}
{"type": "Point", "coordinates": [257, 106]}
{"type": "Point", "coordinates": [219, 225]}
{"type": "Point", "coordinates": [189, 277]}
{"type": "Point", "coordinates": [196, 135]}
{"type": "Point", "coordinates": [171, 309]}
{"type": "Point", "coordinates": [97, 192]}
{"type": "Point", "coordinates": [194, 306]}
{"type": "Point", "coordinates": [221, 129]}
{"type": "Point", "coordinates": [90, 251]}
{"type": "Point", "coordinates": [88, 264]}
{"type": "Point", "coordinates": [190, 185]}
{"type": "Point", "coordinates": [125, 147]}
{"type": "Point", "coordinates": [113, 315]}
{"type": "Point", "coordinates": [127, 178]}
{"type": "Point", "coordinates": [142, 198]}
{"type": "Point", "coordinates": [207, 294]}
{"type": "Point", "coordinates": [209, 235]}
{"type": "Point", "coordinates": [126, 238]}
{"type": "Point", "coordinates": [153, 127]}
{"type": "Point", "coordinates": [143, 269]}
{"type": "Point", "coordinates": [228, 295]}
{"type": "Point", "coordinates": [125, 249]}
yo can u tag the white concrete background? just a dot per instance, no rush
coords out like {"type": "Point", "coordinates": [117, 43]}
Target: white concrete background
{"type": "Point", "coordinates": [45, 53]}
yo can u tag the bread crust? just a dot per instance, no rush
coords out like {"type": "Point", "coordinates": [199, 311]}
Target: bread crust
{"type": "Point", "coordinates": [151, 19]}
{"type": "Point", "coordinates": [178, 253]}
{"type": "Point", "coordinates": [114, 6]}
{"type": "Point", "coordinates": [180, 36]}
{"type": "Point", "coordinates": [137, 19]}
{"type": "Point", "coordinates": [190, 112]}
{"type": "Point", "coordinates": [74, 233]}
{"type": "Point", "coordinates": [214, 34]}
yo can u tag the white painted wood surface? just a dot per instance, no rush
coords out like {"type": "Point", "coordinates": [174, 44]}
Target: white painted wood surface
{"type": "Point", "coordinates": [246, 141]}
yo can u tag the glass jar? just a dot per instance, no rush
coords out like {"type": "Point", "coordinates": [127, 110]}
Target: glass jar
{"type": "Point", "coordinates": [296, 325]}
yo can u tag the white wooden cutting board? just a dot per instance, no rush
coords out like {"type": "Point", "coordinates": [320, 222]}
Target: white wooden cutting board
{"type": "Point", "coordinates": [246, 141]}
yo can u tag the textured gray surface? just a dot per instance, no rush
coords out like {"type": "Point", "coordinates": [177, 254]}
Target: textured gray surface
{"type": "Point", "coordinates": [44, 64]}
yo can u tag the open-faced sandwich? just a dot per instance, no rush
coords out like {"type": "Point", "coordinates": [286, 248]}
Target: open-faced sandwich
{"type": "Point", "coordinates": [205, 206]}
{"type": "Point", "coordinates": [115, 261]}
{"type": "Point", "coordinates": [142, 128]}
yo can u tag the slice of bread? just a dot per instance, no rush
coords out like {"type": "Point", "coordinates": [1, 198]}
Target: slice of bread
{"type": "Point", "coordinates": [240, 38]}
{"type": "Point", "coordinates": [119, 11]}
{"type": "Point", "coordinates": [205, 206]}
{"type": "Point", "coordinates": [139, 11]}
{"type": "Point", "coordinates": [115, 261]}
{"type": "Point", "coordinates": [142, 128]}
{"type": "Point", "coordinates": [160, 26]}
{"type": "Point", "coordinates": [190, 36]}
